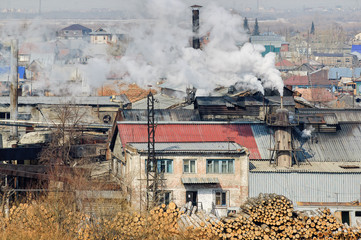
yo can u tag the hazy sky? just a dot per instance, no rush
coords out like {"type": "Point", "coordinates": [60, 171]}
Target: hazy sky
{"type": "Point", "coordinates": [78, 5]}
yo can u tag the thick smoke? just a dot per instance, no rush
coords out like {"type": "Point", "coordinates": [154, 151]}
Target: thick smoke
{"type": "Point", "coordinates": [159, 48]}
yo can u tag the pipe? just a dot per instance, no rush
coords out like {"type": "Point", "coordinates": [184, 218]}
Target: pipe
{"type": "Point", "coordinates": [281, 102]}
{"type": "Point", "coordinates": [14, 86]}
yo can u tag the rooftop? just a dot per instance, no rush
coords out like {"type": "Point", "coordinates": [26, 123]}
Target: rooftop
{"type": "Point", "coordinates": [76, 27]}
{"type": "Point", "coordinates": [36, 100]}
{"type": "Point", "coordinates": [189, 132]}
{"type": "Point", "coordinates": [161, 115]}
{"type": "Point", "coordinates": [314, 167]}
{"type": "Point", "coordinates": [342, 72]}
{"type": "Point", "coordinates": [191, 147]}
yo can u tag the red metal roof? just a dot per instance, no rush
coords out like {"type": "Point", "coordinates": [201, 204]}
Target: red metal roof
{"type": "Point", "coordinates": [239, 133]}
{"type": "Point", "coordinates": [284, 63]}
{"type": "Point", "coordinates": [297, 80]}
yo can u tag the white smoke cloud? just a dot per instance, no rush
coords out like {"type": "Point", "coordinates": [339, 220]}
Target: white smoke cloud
{"type": "Point", "coordinates": [306, 133]}
{"type": "Point", "coordinates": [160, 48]}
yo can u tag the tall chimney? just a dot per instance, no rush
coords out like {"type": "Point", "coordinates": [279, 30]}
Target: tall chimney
{"type": "Point", "coordinates": [281, 102]}
{"type": "Point", "coordinates": [195, 21]}
{"type": "Point", "coordinates": [14, 86]}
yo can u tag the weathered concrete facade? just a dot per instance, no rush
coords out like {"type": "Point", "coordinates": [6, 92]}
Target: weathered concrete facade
{"type": "Point", "coordinates": [230, 186]}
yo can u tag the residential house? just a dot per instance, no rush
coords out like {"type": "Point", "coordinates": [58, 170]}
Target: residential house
{"type": "Point", "coordinates": [100, 36]}
{"type": "Point", "coordinates": [75, 31]}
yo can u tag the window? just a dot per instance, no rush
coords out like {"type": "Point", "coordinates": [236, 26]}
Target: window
{"type": "Point", "coordinates": [163, 165]}
{"type": "Point", "coordinates": [189, 166]}
{"type": "Point", "coordinates": [357, 214]}
{"type": "Point", "coordinates": [221, 198]}
{"type": "Point", "coordinates": [4, 115]}
{"type": "Point", "coordinates": [166, 197]}
{"type": "Point", "coordinates": [220, 166]}
{"type": "Point", "coordinates": [347, 60]}
{"type": "Point", "coordinates": [338, 60]}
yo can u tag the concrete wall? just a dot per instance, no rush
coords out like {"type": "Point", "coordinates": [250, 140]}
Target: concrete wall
{"type": "Point", "coordinates": [236, 184]}
{"type": "Point", "coordinates": [307, 187]}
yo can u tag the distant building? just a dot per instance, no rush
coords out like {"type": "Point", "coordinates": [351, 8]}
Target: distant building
{"type": "Point", "coordinates": [336, 59]}
{"type": "Point", "coordinates": [272, 42]}
{"type": "Point", "coordinates": [75, 31]}
{"type": "Point", "coordinates": [100, 36]}
{"type": "Point", "coordinates": [317, 78]}
{"type": "Point", "coordinates": [343, 73]}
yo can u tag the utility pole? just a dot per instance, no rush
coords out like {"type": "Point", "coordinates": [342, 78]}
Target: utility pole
{"type": "Point", "coordinates": [152, 168]}
{"type": "Point", "coordinates": [14, 86]}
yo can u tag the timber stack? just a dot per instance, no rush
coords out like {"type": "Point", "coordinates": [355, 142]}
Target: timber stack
{"type": "Point", "coordinates": [267, 216]}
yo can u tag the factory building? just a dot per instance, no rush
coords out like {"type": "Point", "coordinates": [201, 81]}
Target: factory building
{"type": "Point", "coordinates": [202, 162]}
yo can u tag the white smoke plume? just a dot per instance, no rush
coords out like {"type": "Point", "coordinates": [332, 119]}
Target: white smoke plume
{"type": "Point", "coordinates": [160, 48]}
{"type": "Point", "coordinates": [306, 133]}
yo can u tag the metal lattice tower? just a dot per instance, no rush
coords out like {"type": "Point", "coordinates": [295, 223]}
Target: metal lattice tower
{"type": "Point", "coordinates": [152, 169]}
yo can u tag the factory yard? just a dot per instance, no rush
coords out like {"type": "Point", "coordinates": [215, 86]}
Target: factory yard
{"type": "Point", "coordinates": [268, 216]}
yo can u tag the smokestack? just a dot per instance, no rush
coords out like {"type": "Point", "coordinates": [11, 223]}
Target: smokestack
{"type": "Point", "coordinates": [281, 102]}
{"type": "Point", "coordinates": [14, 86]}
{"type": "Point", "coordinates": [195, 21]}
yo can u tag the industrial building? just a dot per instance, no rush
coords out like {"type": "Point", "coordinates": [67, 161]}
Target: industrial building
{"type": "Point", "coordinates": [306, 154]}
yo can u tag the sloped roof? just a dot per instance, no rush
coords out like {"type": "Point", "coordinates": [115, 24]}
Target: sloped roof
{"type": "Point", "coordinates": [190, 132]}
{"type": "Point", "coordinates": [316, 167]}
{"type": "Point", "coordinates": [316, 94]}
{"type": "Point", "coordinates": [285, 63]}
{"type": "Point", "coordinates": [340, 146]}
{"type": "Point", "coordinates": [92, 100]}
{"type": "Point", "coordinates": [317, 78]}
{"type": "Point", "coordinates": [161, 115]}
{"type": "Point", "coordinates": [342, 115]}
{"type": "Point", "coordinates": [162, 102]}
{"type": "Point", "coordinates": [191, 147]}
{"type": "Point", "coordinates": [296, 80]}
{"type": "Point", "coordinates": [76, 27]}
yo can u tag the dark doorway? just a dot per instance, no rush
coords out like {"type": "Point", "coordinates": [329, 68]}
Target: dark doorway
{"type": "Point", "coordinates": [345, 217]}
{"type": "Point", "coordinates": [191, 196]}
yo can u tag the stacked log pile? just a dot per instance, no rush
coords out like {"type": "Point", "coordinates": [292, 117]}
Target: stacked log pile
{"type": "Point", "coordinates": [268, 216]}
{"type": "Point", "coordinates": [271, 216]}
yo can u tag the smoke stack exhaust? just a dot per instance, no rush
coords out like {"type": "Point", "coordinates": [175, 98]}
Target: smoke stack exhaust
{"type": "Point", "coordinates": [14, 86]}
{"type": "Point", "coordinates": [195, 21]}
{"type": "Point", "coordinates": [281, 102]}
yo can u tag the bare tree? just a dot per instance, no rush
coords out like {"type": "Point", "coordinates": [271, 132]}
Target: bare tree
{"type": "Point", "coordinates": [67, 125]}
